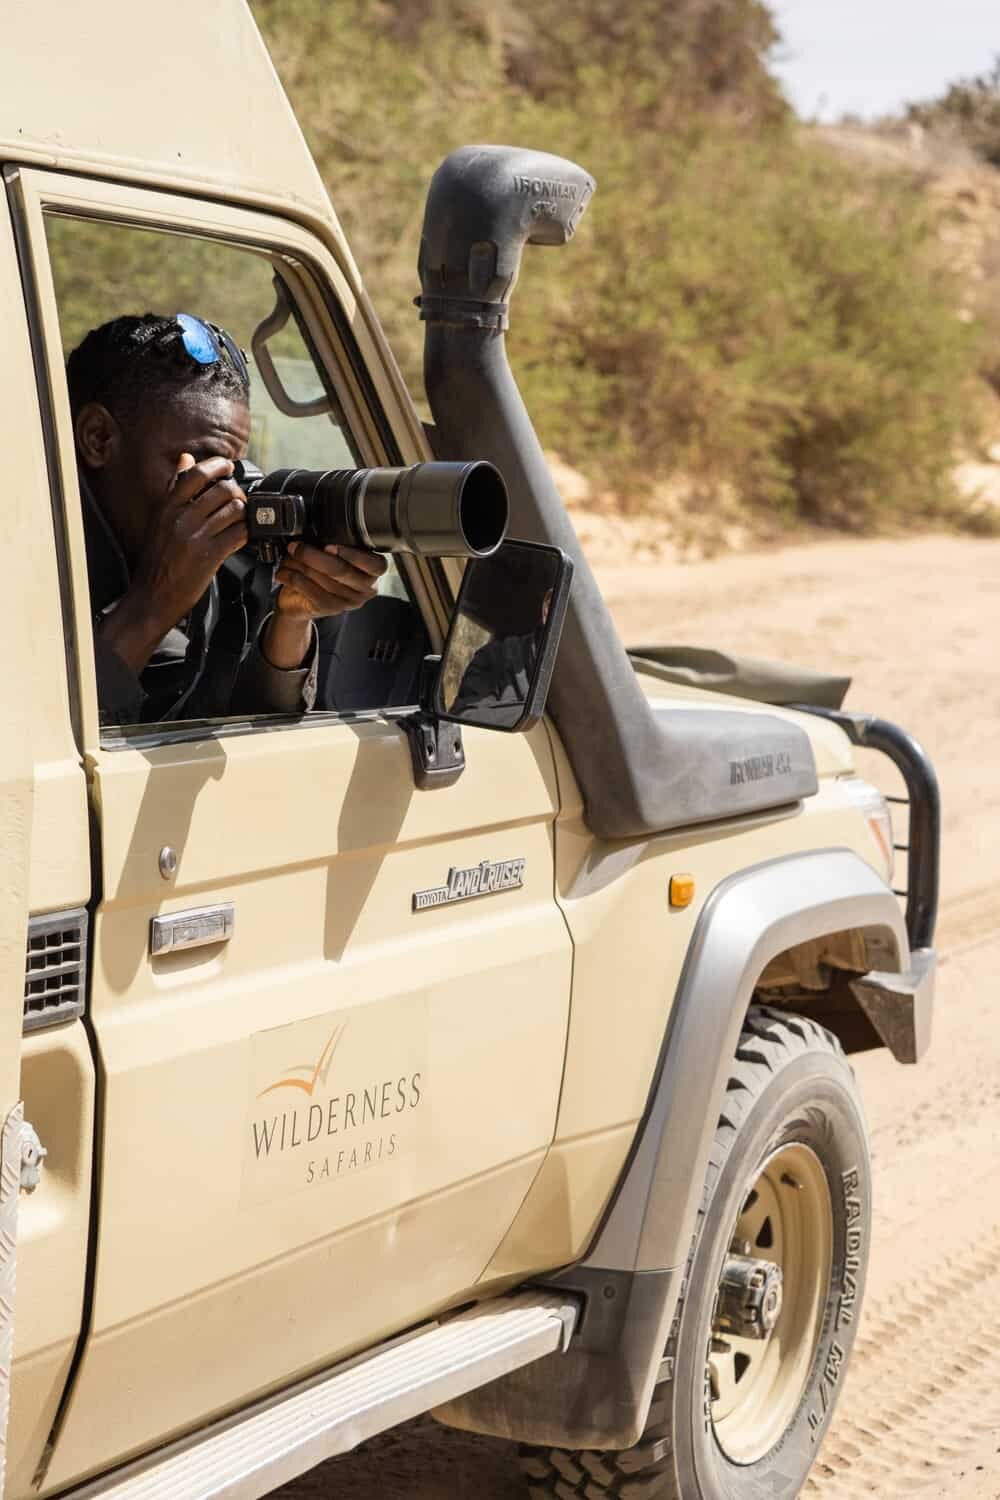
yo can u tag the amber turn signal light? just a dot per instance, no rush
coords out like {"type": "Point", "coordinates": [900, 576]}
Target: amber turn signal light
{"type": "Point", "coordinates": [681, 890]}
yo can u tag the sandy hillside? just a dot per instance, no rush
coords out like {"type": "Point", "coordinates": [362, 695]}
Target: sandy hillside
{"type": "Point", "coordinates": [916, 623]}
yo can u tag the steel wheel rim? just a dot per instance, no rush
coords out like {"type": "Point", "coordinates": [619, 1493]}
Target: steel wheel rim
{"type": "Point", "coordinates": [755, 1385]}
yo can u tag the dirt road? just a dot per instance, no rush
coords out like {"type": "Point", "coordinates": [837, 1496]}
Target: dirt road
{"type": "Point", "coordinates": [917, 625]}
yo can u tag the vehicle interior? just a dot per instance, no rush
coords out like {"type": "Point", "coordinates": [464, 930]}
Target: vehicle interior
{"type": "Point", "coordinates": [370, 658]}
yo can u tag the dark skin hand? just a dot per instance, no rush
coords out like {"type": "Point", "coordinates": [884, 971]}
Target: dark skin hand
{"type": "Point", "coordinates": [315, 583]}
{"type": "Point", "coordinates": [164, 482]}
{"type": "Point", "coordinates": [190, 535]}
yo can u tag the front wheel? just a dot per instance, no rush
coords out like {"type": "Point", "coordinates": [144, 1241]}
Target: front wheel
{"type": "Point", "coordinates": [759, 1347]}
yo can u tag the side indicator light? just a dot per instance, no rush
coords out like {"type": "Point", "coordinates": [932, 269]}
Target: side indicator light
{"type": "Point", "coordinates": [681, 890]}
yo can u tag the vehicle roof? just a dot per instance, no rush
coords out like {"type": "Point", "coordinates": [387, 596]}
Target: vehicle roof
{"type": "Point", "coordinates": [183, 96]}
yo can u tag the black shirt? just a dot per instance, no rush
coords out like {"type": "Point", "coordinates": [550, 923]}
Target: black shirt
{"type": "Point", "coordinates": [210, 664]}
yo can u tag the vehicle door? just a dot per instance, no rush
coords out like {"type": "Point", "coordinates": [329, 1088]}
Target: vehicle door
{"type": "Point", "coordinates": [46, 1076]}
{"type": "Point", "coordinates": [316, 1129]}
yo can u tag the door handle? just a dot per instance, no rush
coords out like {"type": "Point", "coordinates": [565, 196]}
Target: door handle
{"type": "Point", "coordinates": [195, 928]}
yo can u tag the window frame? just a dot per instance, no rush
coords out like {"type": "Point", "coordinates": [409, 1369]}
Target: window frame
{"type": "Point", "coordinates": [332, 311]}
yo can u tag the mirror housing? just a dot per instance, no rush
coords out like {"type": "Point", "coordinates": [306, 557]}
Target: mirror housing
{"type": "Point", "coordinates": [504, 635]}
{"type": "Point", "coordinates": [497, 662]}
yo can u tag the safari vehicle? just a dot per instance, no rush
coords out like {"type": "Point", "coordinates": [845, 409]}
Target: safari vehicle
{"type": "Point", "coordinates": [299, 1141]}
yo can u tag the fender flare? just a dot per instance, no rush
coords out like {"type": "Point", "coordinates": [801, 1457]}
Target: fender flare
{"type": "Point", "coordinates": [748, 920]}
{"type": "Point", "coordinates": [598, 1394]}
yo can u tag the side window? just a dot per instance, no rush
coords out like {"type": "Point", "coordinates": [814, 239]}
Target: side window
{"type": "Point", "coordinates": [210, 663]}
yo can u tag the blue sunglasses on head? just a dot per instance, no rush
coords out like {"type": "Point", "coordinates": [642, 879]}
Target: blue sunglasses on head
{"type": "Point", "coordinates": [207, 343]}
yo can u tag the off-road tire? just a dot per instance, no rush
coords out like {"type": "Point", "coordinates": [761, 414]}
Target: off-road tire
{"type": "Point", "coordinates": [790, 1091]}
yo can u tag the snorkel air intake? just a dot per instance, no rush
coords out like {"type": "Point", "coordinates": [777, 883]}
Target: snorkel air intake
{"type": "Point", "coordinates": [641, 770]}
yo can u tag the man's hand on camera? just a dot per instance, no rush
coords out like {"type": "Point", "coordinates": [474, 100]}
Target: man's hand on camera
{"type": "Point", "coordinates": [316, 582]}
{"type": "Point", "coordinates": [200, 523]}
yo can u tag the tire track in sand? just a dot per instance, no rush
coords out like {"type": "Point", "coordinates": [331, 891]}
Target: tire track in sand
{"type": "Point", "coordinates": [922, 1398]}
{"type": "Point", "coordinates": [924, 1385]}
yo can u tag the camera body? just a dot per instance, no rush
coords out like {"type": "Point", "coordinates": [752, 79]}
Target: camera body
{"type": "Point", "coordinates": [429, 510]}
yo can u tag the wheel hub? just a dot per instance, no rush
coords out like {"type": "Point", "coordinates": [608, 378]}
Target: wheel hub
{"type": "Point", "coordinates": [750, 1297]}
{"type": "Point", "coordinates": [768, 1310]}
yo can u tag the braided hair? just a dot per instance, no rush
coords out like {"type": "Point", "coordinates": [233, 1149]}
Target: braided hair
{"type": "Point", "coordinates": [132, 360]}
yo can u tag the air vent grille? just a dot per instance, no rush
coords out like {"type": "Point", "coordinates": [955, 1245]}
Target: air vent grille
{"type": "Point", "coordinates": [55, 973]}
{"type": "Point", "coordinates": [385, 651]}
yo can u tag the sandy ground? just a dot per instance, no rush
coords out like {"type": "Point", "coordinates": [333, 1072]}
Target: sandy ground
{"type": "Point", "coordinates": [916, 623]}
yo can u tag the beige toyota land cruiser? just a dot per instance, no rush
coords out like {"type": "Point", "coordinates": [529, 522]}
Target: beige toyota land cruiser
{"type": "Point", "coordinates": [474, 1042]}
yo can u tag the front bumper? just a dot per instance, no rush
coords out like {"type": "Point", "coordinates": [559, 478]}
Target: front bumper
{"type": "Point", "coordinates": [900, 1006]}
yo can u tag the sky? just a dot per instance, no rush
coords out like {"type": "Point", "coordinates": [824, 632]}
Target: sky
{"type": "Point", "coordinates": [869, 57]}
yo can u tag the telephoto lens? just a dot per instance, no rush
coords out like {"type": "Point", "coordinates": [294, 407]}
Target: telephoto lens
{"type": "Point", "coordinates": [432, 509]}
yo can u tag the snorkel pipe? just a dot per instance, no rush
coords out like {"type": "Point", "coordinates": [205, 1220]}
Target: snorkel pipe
{"type": "Point", "coordinates": [639, 771]}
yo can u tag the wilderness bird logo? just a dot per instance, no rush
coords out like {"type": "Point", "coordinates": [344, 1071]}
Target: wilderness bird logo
{"type": "Point", "coordinates": [315, 1073]}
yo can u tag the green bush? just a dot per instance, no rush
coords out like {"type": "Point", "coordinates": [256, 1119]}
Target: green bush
{"type": "Point", "coordinates": [737, 309]}
{"type": "Point", "coordinates": [755, 319]}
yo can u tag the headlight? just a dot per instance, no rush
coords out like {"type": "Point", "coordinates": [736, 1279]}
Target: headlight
{"type": "Point", "coordinates": [875, 809]}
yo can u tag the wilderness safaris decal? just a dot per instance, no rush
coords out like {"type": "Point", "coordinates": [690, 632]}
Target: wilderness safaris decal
{"type": "Point", "coordinates": [322, 1110]}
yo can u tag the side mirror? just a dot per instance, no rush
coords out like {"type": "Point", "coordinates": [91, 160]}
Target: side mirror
{"type": "Point", "coordinates": [504, 635]}
{"type": "Point", "coordinates": [497, 661]}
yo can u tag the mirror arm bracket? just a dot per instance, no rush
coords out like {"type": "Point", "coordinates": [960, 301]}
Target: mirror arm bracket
{"type": "Point", "coordinates": [435, 749]}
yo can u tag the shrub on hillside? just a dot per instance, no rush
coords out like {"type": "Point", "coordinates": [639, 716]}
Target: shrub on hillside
{"type": "Point", "coordinates": [750, 317]}
{"type": "Point", "coordinates": [736, 308]}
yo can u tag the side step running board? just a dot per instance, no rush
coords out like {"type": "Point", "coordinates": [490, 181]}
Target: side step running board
{"type": "Point", "coordinates": [249, 1455]}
